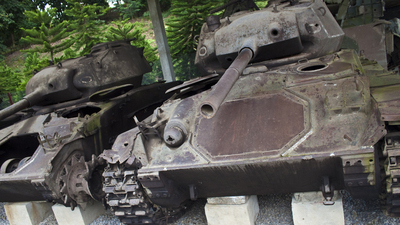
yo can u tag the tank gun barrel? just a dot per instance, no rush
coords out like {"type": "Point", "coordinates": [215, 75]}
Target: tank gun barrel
{"type": "Point", "coordinates": [210, 106]}
{"type": "Point", "coordinates": [26, 102]}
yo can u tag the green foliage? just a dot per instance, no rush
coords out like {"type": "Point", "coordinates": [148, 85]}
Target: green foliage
{"type": "Point", "coordinates": [62, 5]}
{"type": "Point", "coordinates": [33, 64]}
{"type": "Point", "coordinates": [86, 25]}
{"type": "Point", "coordinates": [12, 19]}
{"type": "Point", "coordinates": [38, 17]}
{"type": "Point", "coordinates": [46, 38]}
{"type": "Point", "coordinates": [155, 74]}
{"type": "Point", "coordinates": [14, 81]}
{"type": "Point", "coordinates": [5, 18]}
{"type": "Point", "coordinates": [124, 30]}
{"type": "Point", "coordinates": [130, 8]}
{"type": "Point", "coordinates": [184, 67]}
{"type": "Point", "coordinates": [183, 25]}
{"type": "Point", "coordinates": [136, 8]}
{"type": "Point", "coordinates": [68, 54]}
{"type": "Point", "coordinates": [9, 80]}
{"type": "Point", "coordinates": [185, 22]}
{"type": "Point", "coordinates": [3, 48]}
{"type": "Point", "coordinates": [261, 4]}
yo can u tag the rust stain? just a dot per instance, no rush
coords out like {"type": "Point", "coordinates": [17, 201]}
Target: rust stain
{"type": "Point", "coordinates": [259, 124]}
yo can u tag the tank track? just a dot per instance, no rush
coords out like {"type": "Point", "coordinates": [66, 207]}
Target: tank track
{"type": "Point", "coordinates": [128, 201]}
{"type": "Point", "coordinates": [392, 169]}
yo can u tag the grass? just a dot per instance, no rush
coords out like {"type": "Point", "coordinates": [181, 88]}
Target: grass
{"type": "Point", "coordinates": [15, 60]}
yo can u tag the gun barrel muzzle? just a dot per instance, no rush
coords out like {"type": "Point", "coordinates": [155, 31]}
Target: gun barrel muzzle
{"type": "Point", "coordinates": [210, 106]}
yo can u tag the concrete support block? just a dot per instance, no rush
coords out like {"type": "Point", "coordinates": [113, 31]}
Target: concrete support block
{"type": "Point", "coordinates": [65, 216]}
{"type": "Point", "coordinates": [27, 213]}
{"type": "Point", "coordinates": [237, 210]}
{"type": "Point", "coordinates": [308, 209]}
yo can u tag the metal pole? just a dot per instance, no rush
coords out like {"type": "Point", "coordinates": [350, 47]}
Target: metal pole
{"type": "Point", "coordinates": [161, 40]}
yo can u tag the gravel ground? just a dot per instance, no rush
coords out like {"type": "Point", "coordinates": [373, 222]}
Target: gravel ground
{"type": "Point", "coordinates": [274, 209]}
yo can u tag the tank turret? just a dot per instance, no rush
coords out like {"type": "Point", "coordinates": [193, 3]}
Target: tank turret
{"type": "Point", "coordinates": [108, 65]}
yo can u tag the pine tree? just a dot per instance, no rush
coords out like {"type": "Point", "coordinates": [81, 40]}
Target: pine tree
{"type": "Point", "coordinates": [125, 30]}
{"type": "Point", "coordinates": [185, 23]}
{"type": "Point", "coordinates": [46, 37]}
{"type": "Point", "coordinates": [38, 17]}
{"type": "Point", "coordinates": [187, 18]}
{"type": "Point", "coordinates": [86, 25]}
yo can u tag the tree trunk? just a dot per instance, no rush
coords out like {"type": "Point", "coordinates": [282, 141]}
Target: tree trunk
{"type": "Point", "coordinates": [12, 39]}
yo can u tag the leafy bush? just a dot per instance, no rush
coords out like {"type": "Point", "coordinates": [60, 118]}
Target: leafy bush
{"type": "Point", "coordinates": [9, 80]}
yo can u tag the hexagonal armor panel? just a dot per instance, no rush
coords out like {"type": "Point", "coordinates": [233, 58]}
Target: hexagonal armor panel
{"type": "Point", "coordinates": [263, 124]}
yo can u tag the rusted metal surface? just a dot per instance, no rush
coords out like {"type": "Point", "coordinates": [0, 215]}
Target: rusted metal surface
{"type": "Point", "coordinates": [261, 124]}
{"type": "Point", "coordinates": [388, 99]}
{"type": "Point", "coordinates": [109, 64]}
{"type": "Point", "coordinates": [301, 116]}
{"type": "Point", "coordinates": [306, 30]}
{"type": "Point", "coordinates": [371, 41]}
{"type": "Point", "coordinates": [58, 134]}
{"type": "Point", "coordinates": [210, 106]}
{"type": "Point", "coordinates": [282, 30]}
{"type": "Point", "coordinates": [273, 130]}
{"type": "Point", "coordinates": [55, 146]}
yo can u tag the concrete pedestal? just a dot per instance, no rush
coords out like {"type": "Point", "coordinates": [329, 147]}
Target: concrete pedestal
{"type": "Point", "coordinates": [27, 213]}
{"type": "Point", "coordinates": [308, 209]}
{"type": "Point", "coordinates": [65, 216]}
{"type": "Point", "coordinates": [237, 210]}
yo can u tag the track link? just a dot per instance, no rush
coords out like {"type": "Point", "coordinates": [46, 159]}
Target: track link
{"type": "Point", "coordinates": [128, 201]}
{"type": "Point", "coordinates": [392, 168]}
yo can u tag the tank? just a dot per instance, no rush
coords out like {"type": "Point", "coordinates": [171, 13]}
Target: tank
{"type": "Point", "coordinates": [72, 111]}
{"type": "Point", "coordinates": [292, 99]}
{"type": "Point", "coordinates": [289, 102]}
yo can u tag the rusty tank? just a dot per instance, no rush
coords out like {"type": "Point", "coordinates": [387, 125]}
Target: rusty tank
{"type": "Point", "coordinates": [290, 101]}
{"type": "Point", "coordinates": [72, 111]}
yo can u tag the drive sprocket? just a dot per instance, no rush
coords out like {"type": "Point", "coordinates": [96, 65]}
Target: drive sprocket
{"type": "Point", "coordinates": [74, 181]}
